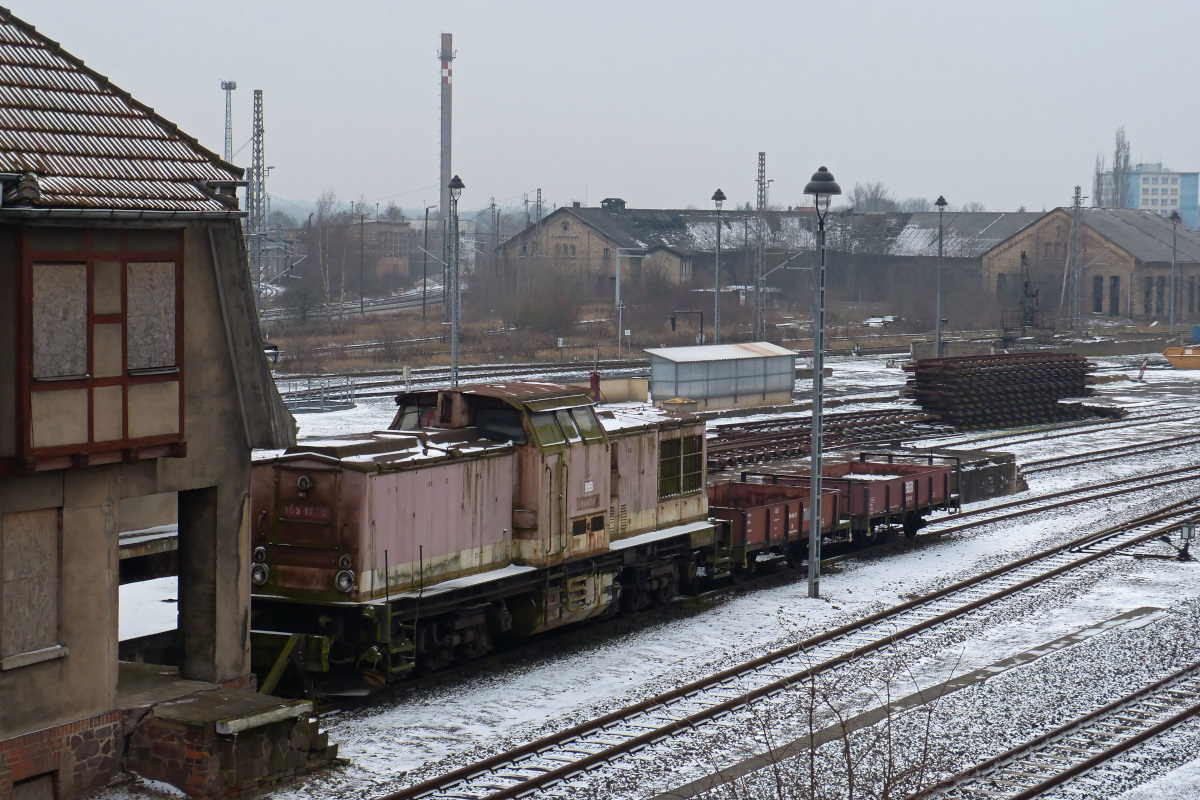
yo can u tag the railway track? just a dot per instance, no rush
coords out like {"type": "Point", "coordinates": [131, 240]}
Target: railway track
{"type": "Point", "coordinates": [1060, 431]}
{"type": "Point", "coordinates": [1093, 740]}
{"type": "Point", "coordinates": [764, 440]}
{"type": "Point", "coordinates": [385, 384]}
{"type": "Point", "coordinates": [753, 442]}
{"type": "Point", "coordinates": [1109, 454]}
{"type": "Point", "coordinates": [555, 760]}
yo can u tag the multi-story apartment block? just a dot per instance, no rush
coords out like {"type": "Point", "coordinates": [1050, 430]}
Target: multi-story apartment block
{"type": "Point", "coordinates": [1151, 187]}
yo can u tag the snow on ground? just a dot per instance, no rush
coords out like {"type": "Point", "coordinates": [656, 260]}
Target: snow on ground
{"type": "Point", "coordinates": [394, 743]}
{"type": "Point", "coordinates": [149, 607]}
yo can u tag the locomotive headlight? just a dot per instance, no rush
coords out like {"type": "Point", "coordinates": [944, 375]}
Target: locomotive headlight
{"type": "Point", "coordinates": [260, 554]}
{"type": "Point", "coordinates": [304, 483]}
{"type": "Point", "coordinates": [344, 562]}
{"type": "Point", "coordinates": [344, 581]}
{"type": "Point", "coordinates": [259, 573]}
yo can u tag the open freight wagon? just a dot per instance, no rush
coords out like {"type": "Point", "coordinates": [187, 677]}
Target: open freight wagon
{"type": "Point", "coordinates": [767, 519]}
{"type": "Point", "coordinates": [876, 495]}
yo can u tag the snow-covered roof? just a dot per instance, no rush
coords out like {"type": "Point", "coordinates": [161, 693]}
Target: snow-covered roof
{"type": "Point", "coordinates": [720, 352]}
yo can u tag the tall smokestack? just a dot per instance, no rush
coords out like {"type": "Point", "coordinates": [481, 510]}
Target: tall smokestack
{"type": "Point", "coordinates": [447, 56]}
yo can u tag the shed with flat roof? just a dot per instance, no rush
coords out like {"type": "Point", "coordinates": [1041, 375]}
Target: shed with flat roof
{"type": "Point", "coordinates": [723, 375]}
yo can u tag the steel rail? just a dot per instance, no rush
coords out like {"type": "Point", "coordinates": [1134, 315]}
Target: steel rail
{"type": "Point", "coordinates": [1109, 454]}
{"type": "Point", "coordinates": [1173, 476]}
{"type": "Point", "coordinates": [989, 767]}
{"type": "Point", "coordinates": [1069, 429]}
{"type": "Point", "coordinates": [610, 720]}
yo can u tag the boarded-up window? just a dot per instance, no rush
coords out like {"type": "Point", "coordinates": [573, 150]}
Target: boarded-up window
{"type": "Point", "coordinates": [29, 569]}
{"type": "Point", "coordinates": [59, 320]}
{"type": "Point", "coordinates": [150, 331]}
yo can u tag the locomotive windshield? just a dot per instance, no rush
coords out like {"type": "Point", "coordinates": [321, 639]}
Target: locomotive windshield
{"type": "Point", "coordinates": [500, 425]}
{"type": "Point", "coordinates": [414, 417]}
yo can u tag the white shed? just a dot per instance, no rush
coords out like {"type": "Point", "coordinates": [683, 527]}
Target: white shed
{"type": "Point", "coordinates": [723, 375]}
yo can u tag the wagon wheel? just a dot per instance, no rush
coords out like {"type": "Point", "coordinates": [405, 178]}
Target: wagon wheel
{"type": "Point", "coordinates": [740, 573]}
{"type": "Point", "coordinates": [861, 539]}
{"type": "Point", "coordinates": [794, 555]}
{"type": "Point", "coordinates": [912, 524]}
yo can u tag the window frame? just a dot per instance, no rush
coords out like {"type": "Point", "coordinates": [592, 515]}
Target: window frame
{"type": "Point", "coordinates": [676, 477]}
{"type": "Point", "coordinates": [30, 458]}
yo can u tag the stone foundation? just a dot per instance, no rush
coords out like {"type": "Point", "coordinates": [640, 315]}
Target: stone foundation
{"type": "Point", "coordinates": [207, 755]}
{"type": "Point", "coordinates": [72, 757]}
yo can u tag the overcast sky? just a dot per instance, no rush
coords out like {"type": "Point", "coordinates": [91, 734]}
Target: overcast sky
{"type": "Point", "coordinates": [1003, 103]}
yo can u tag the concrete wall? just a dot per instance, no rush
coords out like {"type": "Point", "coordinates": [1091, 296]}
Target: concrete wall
{"type": "Point", "coordinates": [80, 679]}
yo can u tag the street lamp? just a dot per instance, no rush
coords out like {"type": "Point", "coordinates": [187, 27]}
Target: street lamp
{"type": "Point", "coordinates": [822, 187]}
{"type": "Point", "coordinates": [1174, 227]}
{"type": "Point", "coordinates": [718, 199]}
{"type": "Point", "coordinates": [941, 206]}
{"type": "Point", "coordinates": [456, 187]}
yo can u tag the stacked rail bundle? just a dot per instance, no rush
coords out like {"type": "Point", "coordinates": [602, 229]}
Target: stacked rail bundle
{"type": "Point", "coordinates": [749, 443]}
{"type": "Point", "coordinates": [1000, 391]}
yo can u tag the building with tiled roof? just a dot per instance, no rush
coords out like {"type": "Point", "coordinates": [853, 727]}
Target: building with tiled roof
{"type": "Point", "coordinates": [132, 389]}
{"type": "Point", "coordinates": [1124, 263]}
{"type": "Point", "coordinates": [71, 140]}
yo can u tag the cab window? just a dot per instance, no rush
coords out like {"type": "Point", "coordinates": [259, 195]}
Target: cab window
{"type": "Point", "coordinates": [546, 429]}
{"type": "Point", "coordinates": [589, 426]}
{"type": "Point", "coordinates": [500, 425]}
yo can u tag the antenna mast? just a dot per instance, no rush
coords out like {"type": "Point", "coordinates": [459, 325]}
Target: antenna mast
{"type": "Point", "coordinates": [256, 199]}
{"type": "Point", "coordinates": [1073, 288]}
{"type": "Point", "coordinates": [229, 86]}
{"type": "Point", "coordinates": [760, 254]}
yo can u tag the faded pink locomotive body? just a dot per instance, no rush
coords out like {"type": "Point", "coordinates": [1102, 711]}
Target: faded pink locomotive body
{"type": "Point", "coordinates": [484, 510]}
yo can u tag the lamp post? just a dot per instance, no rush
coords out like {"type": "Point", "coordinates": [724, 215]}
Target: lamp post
{"type": "Point", "coordinates": [620, 305]}
{"type": "Point", "coordinates": [718, 199]}
{"type": "Point", "coordinates": [941, 206]}
{"type": "Point", "coordinates": [1174, 228]}
{"type": "Point", "coordinates": [362, 219]}
{"type": "Point", "coordinates": [456, 187]}
{"type": "Point", "coordinates": [822, 187]}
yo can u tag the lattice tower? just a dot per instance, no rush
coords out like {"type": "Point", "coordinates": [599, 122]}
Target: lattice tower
{"type": "Point", "coordinates": [256, 197]}
{"type": "Point", "coordinates": [760, 254]}
{"type": "Point", "coordinates": [229, 86]}
{"type": "Point", "coordinates": [1073, 287]}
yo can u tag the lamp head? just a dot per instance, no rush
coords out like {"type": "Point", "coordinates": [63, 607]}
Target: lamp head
{"type": "Point", "coordinates": [940, 202]}
{"type": "Point", "coordinates": [456, 187]}
{"type": "Point", "coordinates": [718, 198]}
{"type": "Point", "coordinates": [822, 187]}
{"type": "Point", "coordinates": [1175, 217]}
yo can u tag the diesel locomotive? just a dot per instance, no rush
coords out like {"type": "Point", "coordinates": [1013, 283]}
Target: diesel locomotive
{"type": "Point", "coordinates": [490, 511]}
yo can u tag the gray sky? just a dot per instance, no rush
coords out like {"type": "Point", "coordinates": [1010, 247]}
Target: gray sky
{"type": "Point", "coordinates": [1004, 103]}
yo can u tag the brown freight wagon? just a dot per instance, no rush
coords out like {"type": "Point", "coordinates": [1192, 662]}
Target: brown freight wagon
{"type": "Point", "coordinates": [769, 519]}
{"type": "Point", "coordinates": [876, 495]}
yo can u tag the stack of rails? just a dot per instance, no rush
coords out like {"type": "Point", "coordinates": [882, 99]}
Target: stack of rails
{"type": "Point", "coordinates": [1001, 391]}
{"type": "Point", "coordinates": [752, 442]}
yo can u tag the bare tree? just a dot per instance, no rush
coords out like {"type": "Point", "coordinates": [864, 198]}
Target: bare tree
{"type": "Point", "coordinates": [914, 204]}
{"type": "Point", "coordinates": [973, 207]}
{"type": "Point", "coordinates": [1121, 169]}
{"type": "Point", "coordinates": [1098, 182]}
{"type": "Point", "coordinates": [872, 196]}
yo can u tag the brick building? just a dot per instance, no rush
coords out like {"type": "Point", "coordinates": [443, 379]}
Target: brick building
{"type": "Point", "coordinates": [131, 370]}
{"type": "Point", "coordinates": [1124, 260]}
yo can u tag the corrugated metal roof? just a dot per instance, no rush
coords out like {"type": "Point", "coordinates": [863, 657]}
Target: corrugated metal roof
{"type": "Point", "coordinates": [1143, 234]}
{"type": "Point", "coordinates": [88, 144]}
{"type": "Point", "coordinates": [721, 352]}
